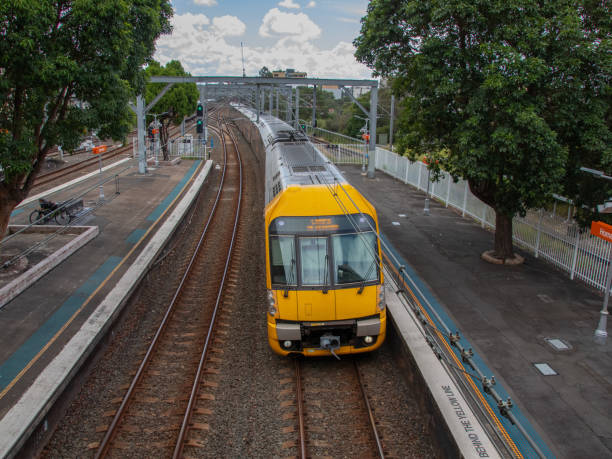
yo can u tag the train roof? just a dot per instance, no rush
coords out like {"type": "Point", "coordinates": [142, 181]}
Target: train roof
{"type": "Point", "coordinates": [299, 161]}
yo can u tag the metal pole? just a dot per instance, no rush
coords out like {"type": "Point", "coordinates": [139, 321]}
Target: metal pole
{"type": "Point", "coordinates": [297, 106]}
{"type": "Point", "coordinates": [257, 102]}
{"type": "Point", "coordinates": [391, 122]}
{"type": "Point", "coordinates": [140, 114]}
{"type": "Point", "coordinates": [156, 140]}
{"type": "Point", "coordinates": [289, 104]}
{"type": "Point", "coordinates": [426, 208]}
{"type": "Point", "coordinates": [372, 154]}
{"type": "Point", "coordinates": [314, 106]}
{"type": "Point", "coordinates": [277, 97]}
{"type": "Point", "coordinates": [101, 179]}
{"type": "Point", "coordinates": [601, 334]}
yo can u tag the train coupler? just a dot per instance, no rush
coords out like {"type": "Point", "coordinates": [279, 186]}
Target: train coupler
{"type": "Point", "coordinates": [331, 343]}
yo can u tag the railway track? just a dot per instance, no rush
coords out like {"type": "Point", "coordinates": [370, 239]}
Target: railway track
{"type": "Point", "coordinates": [334, 416]}
{"type": "Point", "coordinates": [154, 417]}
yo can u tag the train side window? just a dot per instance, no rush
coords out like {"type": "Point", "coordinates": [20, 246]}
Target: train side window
{"type": "Point", "coordinates": [282, 260]}
{"type": "Point", "coordinates": [314, 261]}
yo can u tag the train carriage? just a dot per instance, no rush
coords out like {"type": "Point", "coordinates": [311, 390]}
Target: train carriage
{"type": "Point", "coordinates": [323, 265]}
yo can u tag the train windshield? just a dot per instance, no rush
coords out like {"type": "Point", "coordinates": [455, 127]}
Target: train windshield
{"type": "Point", "coordinates": [355, 257]}
{"type": "Point", "coordinates": [314, 268]}
{"type": "Point", "coordinates": [323, 251]}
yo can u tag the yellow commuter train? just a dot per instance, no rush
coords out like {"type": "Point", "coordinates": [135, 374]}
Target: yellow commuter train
{"type": "Point", "coordinates": [323, 263]}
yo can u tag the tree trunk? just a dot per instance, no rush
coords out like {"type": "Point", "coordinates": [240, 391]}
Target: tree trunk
{"type": "Point", "coordinates": [6, 208]}
{"type": "Point", "coordinates": [503, 236]}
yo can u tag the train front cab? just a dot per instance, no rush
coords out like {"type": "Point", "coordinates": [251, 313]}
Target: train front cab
{"type": "Point", "coordinates": [325, 285]}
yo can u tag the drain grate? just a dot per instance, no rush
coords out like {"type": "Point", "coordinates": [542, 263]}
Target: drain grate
{"type": "Point", "coordinates": [558, 344]}
{"type": "Point", "coordinates": [545, 369]}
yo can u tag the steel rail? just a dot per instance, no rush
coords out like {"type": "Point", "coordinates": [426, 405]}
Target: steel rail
{"type": "Point", "coordinates": [49, 177]}
{"type": "Point", "coordinates": [105, 443]}
{"type": "Point", "coordinates": [300, 408]}
{"type": "Point", "coordinates": [178, 451]}
{"type": "Point", "coordinates": [379, 447]}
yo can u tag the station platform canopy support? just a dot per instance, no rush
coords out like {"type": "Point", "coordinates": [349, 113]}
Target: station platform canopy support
{"type": "Point", "coordinates": [253, 91]}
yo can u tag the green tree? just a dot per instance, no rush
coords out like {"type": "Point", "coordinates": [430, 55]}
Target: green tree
{"type": "Point", "coordinates": [178, 102]}
{"type": "Point", "coordinates": [516, 92]}
{"type": "Point", "coordinates": [66, 66]}
{"type": "Point", "coordinates": [264, 72]}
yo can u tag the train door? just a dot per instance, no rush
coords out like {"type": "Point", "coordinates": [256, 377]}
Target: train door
{"type": "Point", "coordinates": [316, 302]}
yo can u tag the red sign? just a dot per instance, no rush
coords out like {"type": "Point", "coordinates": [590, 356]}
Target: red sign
{"type": "Point", "coordinates": [602, 230]}
{"type": "Point", "coordinates": [154, 131]}
{"type": "Point", "coordinates": [98, 150]}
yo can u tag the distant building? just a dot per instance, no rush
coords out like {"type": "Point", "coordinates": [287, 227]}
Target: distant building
{"type": "Point", "coordinates": [289, 73]}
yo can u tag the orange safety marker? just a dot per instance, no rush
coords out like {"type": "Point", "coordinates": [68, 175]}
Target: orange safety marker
{"type": "Point", "coordinates": [98, 150]}
{"type": "Point", "coordinates": [602, 230]}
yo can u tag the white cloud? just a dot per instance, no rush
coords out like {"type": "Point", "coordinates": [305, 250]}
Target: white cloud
{"type": "Point", "coordinates": [311, 4]}
{"type": "Point", "coordinates": [279, 24]}
{"type": "Point", "coordinates": [229, 26]}
{"type": "Point", "coordinates": [289, 4]}
{"type": "Point", "coordinates": [205, 2]}
{"type": "Point", "coordinates": [200, 45]}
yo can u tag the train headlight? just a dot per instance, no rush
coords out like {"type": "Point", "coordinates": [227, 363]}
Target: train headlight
{"type": "Point", "coordinates": [272, 303]}
{"type": "Point", "coordinates": [380, 298]}
{"type": "Point", "coordinates": [368, 339]}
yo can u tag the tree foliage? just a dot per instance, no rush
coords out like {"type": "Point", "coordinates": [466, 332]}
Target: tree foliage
{"type": "Point", "coordinates": [265, 72]}
{"type": "Point", "coordinates": [178, 102]}
{"type": "Point", "coordinates": [66, 66]}
{"type": "Point", "coordinates": [516, 92]}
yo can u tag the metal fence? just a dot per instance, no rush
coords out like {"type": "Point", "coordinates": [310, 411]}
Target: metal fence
{"type": "Point", "coordinates": [547, 233]}
{"type": "Point", "coordinates": [179, 147]}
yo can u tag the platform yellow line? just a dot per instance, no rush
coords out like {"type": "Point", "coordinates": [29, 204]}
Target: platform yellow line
{"type": "Point", "coordinates": [470, 381]}
{"type": "Point", "coordinates": [95, 292]}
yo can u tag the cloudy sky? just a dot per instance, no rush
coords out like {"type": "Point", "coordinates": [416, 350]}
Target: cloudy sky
{"type": "Point", "coordinates": [313, 36]}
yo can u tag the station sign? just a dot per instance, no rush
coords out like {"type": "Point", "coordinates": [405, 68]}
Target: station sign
{"type": "Point", "coordinates": [602, 230]}
{"type": "Point", "coordinates": [98, 150]}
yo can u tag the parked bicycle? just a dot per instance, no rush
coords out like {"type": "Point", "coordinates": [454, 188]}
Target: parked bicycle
{"type": "Point", "coordinates": [50, 210]}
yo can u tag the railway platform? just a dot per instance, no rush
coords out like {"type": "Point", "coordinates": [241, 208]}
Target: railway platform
{"type": "Point", "coordinates": [513, 317]}
{"type": "Point", "coordinates": [49, 329]}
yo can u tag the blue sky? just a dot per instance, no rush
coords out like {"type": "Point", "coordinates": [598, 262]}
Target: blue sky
{"type": "Point", "coordinates": [314, 36]}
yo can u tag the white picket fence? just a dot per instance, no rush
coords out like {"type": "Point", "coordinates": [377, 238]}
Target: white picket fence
{"type": "Point", "coordinates": [544, 233]}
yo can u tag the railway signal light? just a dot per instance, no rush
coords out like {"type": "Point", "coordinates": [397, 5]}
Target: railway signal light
{"type": "Point", "coordinates": [200, 111]}
{"type": "Point", "coordinates": [199, 126]}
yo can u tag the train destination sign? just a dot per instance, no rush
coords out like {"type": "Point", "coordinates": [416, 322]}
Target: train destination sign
{"type": "Point", "coordinates": [602, 230]}
{"type": "Point", "coordinates": [324, 224]}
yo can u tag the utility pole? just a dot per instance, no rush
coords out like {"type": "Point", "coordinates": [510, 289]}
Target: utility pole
{"type": "Point", "coordinates": [242, 52]}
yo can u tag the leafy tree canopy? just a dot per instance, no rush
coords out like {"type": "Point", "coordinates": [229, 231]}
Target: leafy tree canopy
{"type": "Point", "coordinates": [517, 92]}
{"type": "Point", "coordinates": [265, 72]}
{"type": "Point", "coordinates": [66, 66]}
